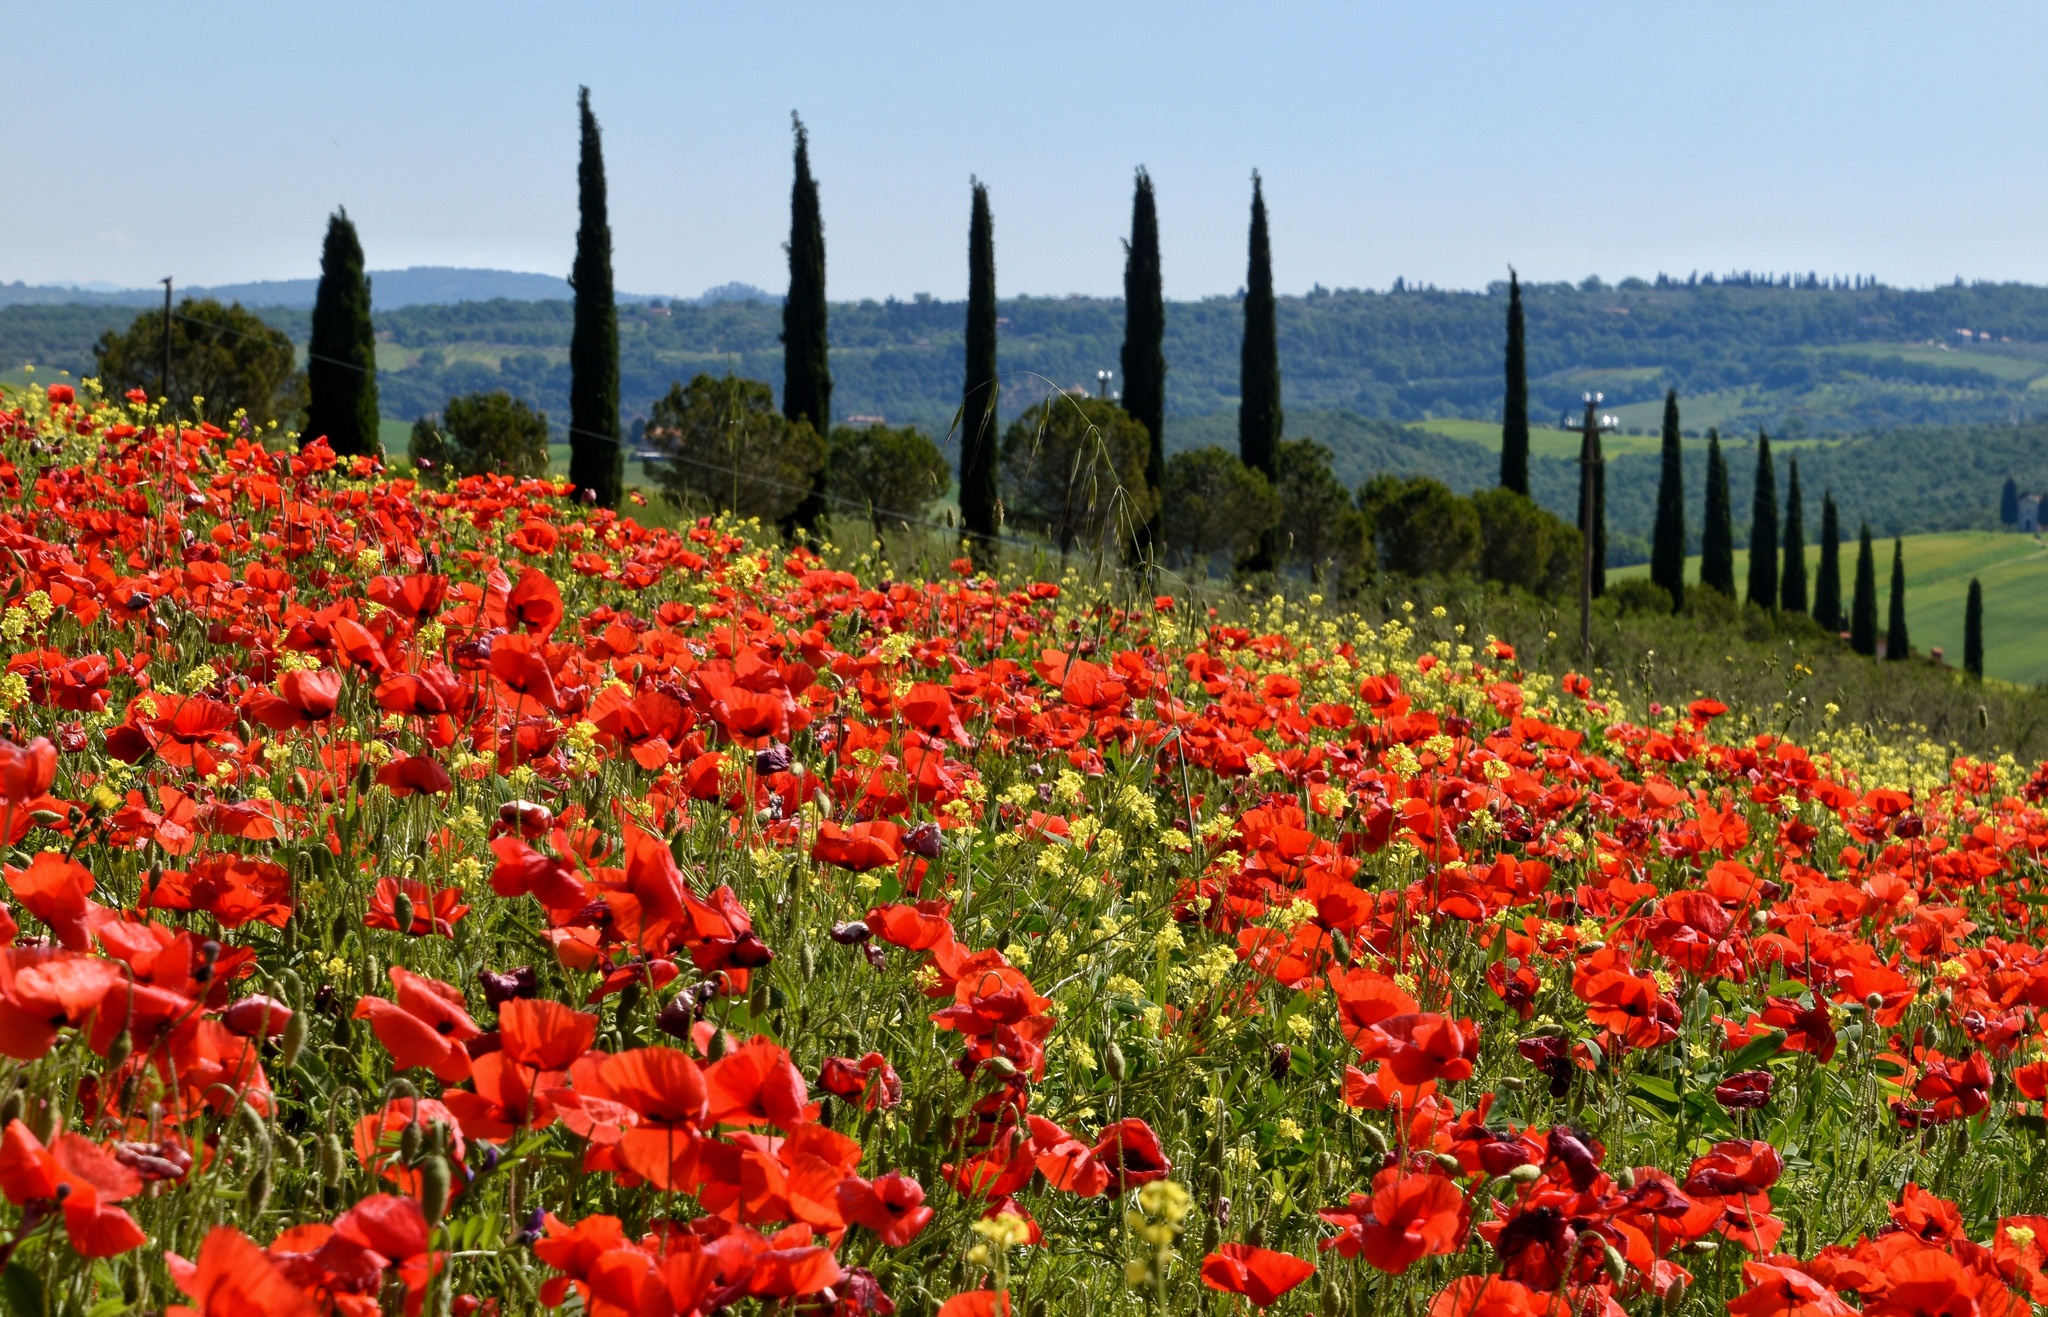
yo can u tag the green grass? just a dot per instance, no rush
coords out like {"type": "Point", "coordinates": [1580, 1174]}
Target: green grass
{"type": "Point", "coordinates": [2004, 365]}
{"type": "Point", "coordinates": [2013, 570]}
{"type": "Point", "coordinates": [1543, 441]}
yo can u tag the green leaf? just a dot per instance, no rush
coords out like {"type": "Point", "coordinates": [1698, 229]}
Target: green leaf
{"type": "Point", "coordinates": [23, 1291]}
{"type": "Point", "coordinates": [1660, 1090]}
{"type": "Point", "coordinates": [1755, 1052]}
{"type": "Point", "coordinates": [107, 1307]}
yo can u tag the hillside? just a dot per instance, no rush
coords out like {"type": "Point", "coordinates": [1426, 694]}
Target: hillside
{"type": "Point", "coordinates": [2012, 568]}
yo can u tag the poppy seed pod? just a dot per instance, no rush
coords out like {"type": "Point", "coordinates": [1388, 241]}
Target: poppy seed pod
{"type": "Point", "coordinates": [435, 1183]}
{"type": "Point", "coordinates": [1113, 1062]}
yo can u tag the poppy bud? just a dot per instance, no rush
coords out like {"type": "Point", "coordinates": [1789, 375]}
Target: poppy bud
{"type": "Point", "coordinates": [1873, 1002]}
{"type": "Point", "coordinates": [924, 840]}
{"type": "Point", "coordinates": [344, 1032]}
{"type": "Point", "coordinates": [1617, 1266]}
{"type": "Point", "coordinates": [716, 1047]}
{"type": "Point", "coordinates": [501, 988]}
{"type": "Point", "coordinates": [1526, 1173]}
{"type": "Point", "coordinates": [1512, 1083]}
{"type": "Point", "coordinates": [849, 933]}
{"type": "Point", "coordinates": [257, 1194]}
{"type": "Point", "coordinates": [409, 1143]}
{"type": "Point", "coordinates": [1255, 1234]}
{"type": "Point", "coordinates": [1325, 1166]}
{"type": "Point", "coordinates": [258, 1016]}
{"type": "Point", "coordinates": [1113, 1062]}
{"type": "Point", "coordinates": [332, 1159]}
{"type": "Point", "coordinates": [1626, 1177]}
{"type": "Point", "coordinates": [1674, 1298]}
{"type": "Point", "coordinates": [10, 1108]}
{"type": "Point", "coordinates": [401, 911]}
{"type": "Point", "coordinates": [434, 1186]}
{"type": "Point", "coordinates": [1448, 1164]}
{"type": "Point", "coordinates": [1333, 1300]}
{"type": "Point", "coordinates": [118, 1050]}
{"type": "Point", "coordinates": [1376, 1137]}
{"type": "Point", "coordinates": [1000, 1065]}
{"type": "Point", "coordinates": [1340, 946]}
{"type": "Point", "coordinates": [807, 962]}
{"type": "Point", "coordinates": [677, 1017]}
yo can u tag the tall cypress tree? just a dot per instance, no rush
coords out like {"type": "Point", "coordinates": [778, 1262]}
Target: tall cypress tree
{"type": "Point", "coordinates": [1717, 530]}
{"type": "Point", "coordinates": [1144, 354]}
{"type": "Point", "coordinates": [1258, 408]}
{"type": "Point", "coordinates": [1896, 646]}
{"type": "Point", "coordinates": [1763, 529]}
{"type": "Point", "coordinates": [1863, 611]}
{"type": "Point", "coordinates": [806, 373]}
{"type": "Point", "coordinates": [597, 458]}
{"type": "Point", "coordinates": [1514, 428]}
{"type": "Point", "coordinates": [1973, 631]}
{"type": "Point", "coordinates": [2009, 503]}
{"type": "Point", "coordinates": [341, 357]}
{"type": "Point", "coordinates": [978, 394]}
{"type": "Point", "coordinates": [1827, 586]}
{"type": "Point", "coordinates": [1792, 579]}
{"type": "Point", "coordinates": [1667, 541]}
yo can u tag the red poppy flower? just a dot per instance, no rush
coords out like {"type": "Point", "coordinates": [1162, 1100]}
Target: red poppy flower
{"type": "Point", "coordinates": [1406, 1218]}
{"type": "Point", "coordinates": [535, 603]}
{"type": "Point", "coordinates": [1781, 1291]}
{"type": "Point", "coordinates": [426, 1026]}
{"type": "Point", "coordinates": [1259, 1274]}
{"type": "Point", "coordinates": [977, 1303]}
{"type": "Point", "coordinates": [1745, 1091]}
{"type": "Point", "coordinates": [415, 774]}
{"type": "Point", "coordinates": [755, 1085]}
{"type": "Point", "coordinates": [1493, 1296]}
{"type": "Point", "coordinates": [435, 911]}
{"type": "Point", "coordinates": [235, 889]}
{"type": "Point", "coordinates": [892, 1206]}
{"type": "Point", "coordinates": [521, 870]}
{"type": "Point", "coordinates": [871, 1078]}
{"type": "Point", "coordinates": [1130, 1152]}
{"type": "Point", "coordinates": [234, 1278]}
{"type": "Point", "coordinates": [56, 890]}
{"type": "Point", "coordinates": [26, 771]}
{"type": "Point", "coordinates": [861, 847]}
{"type": "Point", "coordinates": [667, 1091]}
{"type": "Point", "coordinates": [301, 699]}
{"type": "Point", "coordinates": [83, 1178]}
{"type": "Point", "coordinates": [544, 1034]}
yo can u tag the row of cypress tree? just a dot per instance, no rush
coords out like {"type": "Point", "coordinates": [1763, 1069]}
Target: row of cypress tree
{"type": "Point", "coordinates": [1777, 559]}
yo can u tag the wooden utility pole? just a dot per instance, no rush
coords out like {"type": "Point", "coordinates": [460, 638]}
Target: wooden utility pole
{"type": "Point", "coordinates": [165, 381]}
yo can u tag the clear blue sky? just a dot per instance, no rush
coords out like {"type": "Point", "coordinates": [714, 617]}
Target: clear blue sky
{"type": "Point", "coordinates": [1436, 141]}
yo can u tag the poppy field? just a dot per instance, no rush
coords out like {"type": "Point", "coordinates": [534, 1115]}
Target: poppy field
{"type": "Point", "coordinates": [462, 900]}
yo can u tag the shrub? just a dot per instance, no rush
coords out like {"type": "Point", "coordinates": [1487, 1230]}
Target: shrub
{"type": "Point", "coordinates": [481, 434]}
{"type": "Point", "coordinates": [1211, 503]}
{"type": "Point", "coordinates": [893, 475]}
{"type": "Point", "coordinates": [1074, 468]}
{"type": "Point", "coordinates": [724, 446]}
{"type": "Point", "coordinates": [1521, 544]}
{"type": "Point", "coordinates": [1320, 528]}
{"type": "Point", "coordinates": [1420, 527]}
{"type": "Point", "coordinates": [223, 354]}
{"type": "Point", "coordinates": [1639, 594]}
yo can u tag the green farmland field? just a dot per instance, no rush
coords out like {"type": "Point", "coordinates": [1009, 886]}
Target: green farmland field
{"type": "Point", "coordinates": [2012, 568]}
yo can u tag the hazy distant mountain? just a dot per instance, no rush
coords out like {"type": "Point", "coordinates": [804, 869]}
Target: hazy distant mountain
{"type": "Point", "coordinates": [421, 285]}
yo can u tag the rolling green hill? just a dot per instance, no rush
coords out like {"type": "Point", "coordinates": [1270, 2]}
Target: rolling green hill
{"type": "Point", "coordinates": [2013, 570]}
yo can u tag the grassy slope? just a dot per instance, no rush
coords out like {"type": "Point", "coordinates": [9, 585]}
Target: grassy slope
{"type": "Point", "coordinates": [2012, 568]}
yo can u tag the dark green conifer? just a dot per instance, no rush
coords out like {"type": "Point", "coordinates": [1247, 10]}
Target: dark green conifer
{"type": "Point", "coordinates": [1896, 646]}
{"type": "Point", "coordinates": [1827, 585]}
{"type": "Point", "coordinates": [1667, 541]}
{"type": "Point", "coordinates": [1514, 428]}
{"type": "Point", "coordinates": [2009, 503]}
{"type": "Point", "coordinates": [1792, 579]}
{"type": "Point", "coordinates": [806, 371]}
{"type": "Point", "coordinates": [341, 356]}
{"type": "Point", "coordinates": [1863, 611]}
{"type": "Point", "coordinates": [1973, 631]}
{"type": "Point", "coordinates": [1144, 356]}
{"type": "Point", "coordinates": [1258, 411]}
{"type": "Point", "coordinates": [1717, 530]}
{"type": "Point", "coordinates": [1763, 529]}
{"type": "Point", "coordinates": [597, 458]}
{"type": "Point", "coordinates": [978, 437]}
